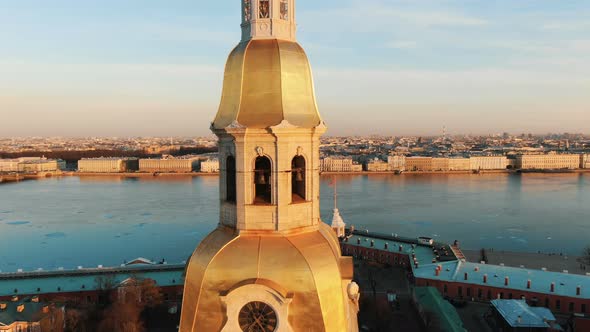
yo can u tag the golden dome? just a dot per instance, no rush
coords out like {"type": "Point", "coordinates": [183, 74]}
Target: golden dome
{"type": "Point", "coordinates": [304, 266]}
{"type": "Point", "coordinates": [266, 82]}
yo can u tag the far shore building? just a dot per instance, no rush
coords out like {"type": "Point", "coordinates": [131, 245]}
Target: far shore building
{"type": "Point", "coordinates": [210, 166]}
{"type": "Point", "coordinates": [108, 165]}
{"type": "Point", "coordinates": [548, 161]}
{"type": "Point", "coordinates": [459, 164]}
{"type": "Point", "coordinates": [169, 165]}
{"type": "Point", "coordinates": [511, 163]}
{"type": "Point", "coordinates": [397, 163]}
{"type": "Point", "coordinates": [440, 164]}
{"type": "Point", "coordinates": [419, 164]}
{"type": "Point", "coordinates": [41, 165]}
{"type": "Point", "coordinates": [585, 161]}
{"type": "Point", "coordinates": [488, 162]}
{"type": "Point", "coordinates": [377, 165]}
{"type": "Point", "coordinates": [9, 165]}
{"type": "Point", "coordinates": [339, 164]}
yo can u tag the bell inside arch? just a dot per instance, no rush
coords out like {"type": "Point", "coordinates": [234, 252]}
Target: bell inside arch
{"type": "Point", "coordinates": [260, 178]}
{"type": "Point", "coordinates": [299, 175]}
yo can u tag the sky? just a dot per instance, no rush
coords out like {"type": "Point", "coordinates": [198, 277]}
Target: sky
{"type": "Point", "coordinates": [389, 67]}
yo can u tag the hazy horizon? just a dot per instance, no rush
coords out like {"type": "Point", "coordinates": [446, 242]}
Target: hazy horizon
{"type": "Point", "coordinates": [392, 68]}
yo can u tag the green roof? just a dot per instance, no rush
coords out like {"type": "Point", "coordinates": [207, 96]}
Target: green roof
{"type": "Point", "coordinates": [429, 299]}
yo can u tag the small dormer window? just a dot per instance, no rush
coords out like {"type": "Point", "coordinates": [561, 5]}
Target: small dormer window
{"type": "Point", "coordinates": [247, 10]}
{"type": "Point", "coordinates": [285, 10]}
{"type": "Point", "coordinates": [264, 9]}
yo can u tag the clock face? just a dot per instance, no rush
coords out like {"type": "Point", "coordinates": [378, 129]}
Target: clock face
{"type": "Point", "coordinates": [257, 317]}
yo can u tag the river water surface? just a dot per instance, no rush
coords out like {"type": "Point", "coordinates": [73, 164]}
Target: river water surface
{"type": "Point", "coordinates": [69, 222]}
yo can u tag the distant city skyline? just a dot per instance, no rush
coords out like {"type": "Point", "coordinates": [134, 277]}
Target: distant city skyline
{"type": "Point", "coordinates": [147, 68]}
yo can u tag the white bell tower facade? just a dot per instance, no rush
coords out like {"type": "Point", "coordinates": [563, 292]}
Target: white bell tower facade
{"type": "Point", "coordinates": [268, 19]}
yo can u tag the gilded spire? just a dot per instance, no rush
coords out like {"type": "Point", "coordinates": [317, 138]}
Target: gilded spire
{"type": "Point", "coordinates": [268, 79]}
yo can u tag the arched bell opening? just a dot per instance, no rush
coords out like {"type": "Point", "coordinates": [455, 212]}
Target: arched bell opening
{"type": "Point", "coordinates": [263, 188]}
{"type": "Point", "coordinates": [298, 179]}
{"type": "Point", "coordinates": [230, 179]}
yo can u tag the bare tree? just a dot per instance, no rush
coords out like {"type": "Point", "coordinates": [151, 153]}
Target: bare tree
{"type": "Point", "coordinates": [122, 317]}
{"type": "Point", "coordinates": [54, 320]}
{"type": "Point", "coordinates": [104, 286]}
{"type": "Point", "coordinates": [151, 293]}
{"type": "Point", "coordinates": [585, 258]}
{"type": "Point", "coordinates": [75, 321]}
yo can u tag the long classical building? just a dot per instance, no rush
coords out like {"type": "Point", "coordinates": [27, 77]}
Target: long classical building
{"type": "Point", "coordinates": [209, 166]}
{"type": "Point", "coordinates": [548, 161]}
{"type": "Point", "coordinates": [339, 164]}
{"type": "Point", "coordinates": [585, 161]}
{"type": "Point", "coordinates": [459, 164]}
{"type": "Point", "coordinates": [169, 165]}
{"type": "Point", "coordinates": [32, 165]}
{"type": "Point", "coordinates": [488, 162]}
{"type": "Point", "coordinates": [377, 165]}
{"type": "Point", "coordinates": [397, 163]}
{"type": "Point", "coordinates": [108, 165]}
{"type": "Point", "coordinates": [9, 165]}
{"type": "Point", "coordinates": [419, 164]}
{"type": "Point", "coordinates": [441, 164]}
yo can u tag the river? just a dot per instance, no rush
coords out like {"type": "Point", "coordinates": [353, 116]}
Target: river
{"type": "Point", "coordinates": [71, 221]}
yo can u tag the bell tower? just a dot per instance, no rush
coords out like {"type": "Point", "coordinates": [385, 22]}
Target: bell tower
{"type": "Point", "coordinates": [271, 264]}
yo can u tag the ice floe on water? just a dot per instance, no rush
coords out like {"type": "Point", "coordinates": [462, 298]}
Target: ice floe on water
{"type": "Point", "coordinates": [18, 223]}
{"type": "Point", "coordinates": [55, 235]}
{"type": "Point", "coordinates": [108, 216]}
{"type": "Point", "coordinates": [146, 214]}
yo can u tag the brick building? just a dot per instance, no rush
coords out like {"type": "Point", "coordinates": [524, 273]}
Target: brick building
{"type": "Point", "coordinates": [443, 267]}
{"type": "Point", "coordinates": [90, 285]}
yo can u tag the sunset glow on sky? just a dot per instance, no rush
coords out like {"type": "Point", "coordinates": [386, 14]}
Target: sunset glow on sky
{"type": "Point", "coordinates": [155, 68]}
